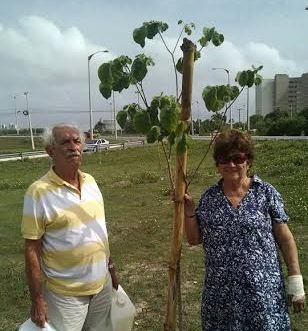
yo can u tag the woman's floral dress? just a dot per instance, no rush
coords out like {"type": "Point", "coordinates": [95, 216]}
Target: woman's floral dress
{"type": "Point", "coordinates": [244, 287]}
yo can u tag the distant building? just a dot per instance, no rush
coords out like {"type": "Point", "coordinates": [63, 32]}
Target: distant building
{"type": "Point", "coordinates": [282, 93]}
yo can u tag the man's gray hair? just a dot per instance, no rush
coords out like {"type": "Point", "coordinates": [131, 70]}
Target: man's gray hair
{"type": "Point", "coordinates": [49, 138]}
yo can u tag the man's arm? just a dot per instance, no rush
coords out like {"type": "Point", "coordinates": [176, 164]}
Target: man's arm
{"type": "Point", "coordinates": [33, 271]}
{"type": "Point", "coordinates": [287, 245]}
{"type": "Point", "coordinates": [114, 278]}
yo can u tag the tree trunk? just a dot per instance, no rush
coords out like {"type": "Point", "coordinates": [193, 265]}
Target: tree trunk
{"type": "Point", "coordinates": [188, 49]}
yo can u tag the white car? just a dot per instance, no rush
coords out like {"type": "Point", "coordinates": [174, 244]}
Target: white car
{"type": "Point", "coordinates": [96, 145]}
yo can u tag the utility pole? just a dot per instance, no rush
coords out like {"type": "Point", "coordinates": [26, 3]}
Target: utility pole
{"type": "Point", "coordinates": [114, 117]}
{"type": "Point", "coordinates": [89, 91]}
{"type": "Point", "coordinates": [27, 113]}
{"type": "Point", "coordinates": [248, 119]}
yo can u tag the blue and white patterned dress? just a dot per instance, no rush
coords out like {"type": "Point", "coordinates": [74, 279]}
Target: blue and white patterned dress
{"type": "Point", "coordinates": [244, 287]}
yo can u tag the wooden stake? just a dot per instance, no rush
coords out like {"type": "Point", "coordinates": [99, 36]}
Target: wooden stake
{"type": "Point", "coordinates": [188, 49]}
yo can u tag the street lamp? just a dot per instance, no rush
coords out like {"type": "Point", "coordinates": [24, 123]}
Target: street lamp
{"type": "Point", "coordinates": [247, 111]}
{"type": "Point", "coordinates": [228, 76]}
{"type": "Point", "coordinates": [27, 113]}
{"type": "Point", "coordinates": [114, 117]}
{"type": "Point", "coordinates": [16, 116]}
{"type": "Point", "coordinates": [89, 85]}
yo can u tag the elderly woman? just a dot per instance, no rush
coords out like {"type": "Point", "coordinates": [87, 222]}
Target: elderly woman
{"type": "Point", "coordinates": [241, 222]}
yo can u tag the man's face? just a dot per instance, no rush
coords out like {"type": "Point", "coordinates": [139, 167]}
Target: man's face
{"type": "Point", "coordinates": [67, 149]}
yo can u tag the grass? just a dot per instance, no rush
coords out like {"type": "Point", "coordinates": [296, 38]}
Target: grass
{"type": "Point", "coordinates": [139, 213]}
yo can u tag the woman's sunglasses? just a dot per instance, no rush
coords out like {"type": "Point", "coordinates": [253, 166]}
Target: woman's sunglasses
{"type": "Point", "coordinates": [238, 158]}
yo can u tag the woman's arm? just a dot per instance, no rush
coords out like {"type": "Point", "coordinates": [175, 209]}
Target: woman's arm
{"type": "Point", "coordinates": [287, 245]}
{"type": "Point", "coordinates": [190, 221]}
{"type": "Point", "coordinates": [286, 242]}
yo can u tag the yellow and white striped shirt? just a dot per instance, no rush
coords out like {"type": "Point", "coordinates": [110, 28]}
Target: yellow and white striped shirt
{"type": "Point", "coordinates": [71, 223]}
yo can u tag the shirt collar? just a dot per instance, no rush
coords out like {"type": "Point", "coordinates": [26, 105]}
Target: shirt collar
{"type": "Point", "coordinates": [53, 177]}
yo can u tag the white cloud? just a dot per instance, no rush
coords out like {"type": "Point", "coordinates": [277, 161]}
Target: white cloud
{"type": "Point", "coordinates": [45, 52]}
{"type": "Point", "coordinates": [51, 62]}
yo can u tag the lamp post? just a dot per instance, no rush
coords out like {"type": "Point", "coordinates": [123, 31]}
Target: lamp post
{"type": "Point", "coordinates": [16, 116]}
{"type": "Point", "coordinates": [248, 119]}
{"type": "Point", "coordinates": [228, 76]}
{"type": "Point", "coordinates": [27, 113]}
{"type": "Point", "coordinates": [114, 117]}
{"type": "Point", "coordinates": [89, 88]}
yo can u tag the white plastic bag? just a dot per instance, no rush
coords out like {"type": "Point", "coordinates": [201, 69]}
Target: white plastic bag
{"type": "Point", "coordinates": [122, 311]}
{"type": "Point", "coordinates": [28, 325]}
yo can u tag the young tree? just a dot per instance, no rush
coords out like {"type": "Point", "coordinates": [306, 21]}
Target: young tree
{"type": "Point", "coordinates": [165, 119]}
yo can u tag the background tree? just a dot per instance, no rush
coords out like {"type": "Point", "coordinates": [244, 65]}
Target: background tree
{"type": "Point", "coordinates": [100, 127]}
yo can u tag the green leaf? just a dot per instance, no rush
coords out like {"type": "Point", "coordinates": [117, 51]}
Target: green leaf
{"type": "Point", "coordinates": [212, 102]}
{"type": "Point", "coordinates": [209, 96]}
{"type": "Point", "coordinates": [179, 65]}
{"type": "Point", "coordinates": [179, 131]}
{"type": "Point", "coordinates": [251, 78]}
{"type": "Point", "coordinates": [155, 103]}
{"type": "Point", "coordinates": [203, 41]}
{"type": "Point", "coordinates": [139, 67]}
{"type": "Point", "coordinates": [163, 26]}
{"type": "Point", "coordinates": [105, 91]}
{"type": "Point", "coordinates": [169, 114]}
{"type": "Point", "coordinates": [258, 80]}
{"type": "Point", "coordinates": [105, 74]}
{"type": "Point", "coordinates": [132, 110]}
{"type": "Point", "coordinates": [217, 38]}
{"type": "Point", "coordinates": [138, 70]}
{"type": "Point", "coordinates": [235, 92]}
{"type": "Point", "coordinates": [152, 29]}
{"type": "Point", "coordinates": [181, 146]}
{"type": "Point", "coordinates": [122, 118]}
{"type": "Point", "coordinates": [139, 35]}
{"type": "Point", "coordinates": [243, 78]}
{"type": "Point", "coordinates": [153, 112]}
{"type": "Point", "coordinates": [222, 92]}
{"type": "Point", "coordinates": [208, 33]}
{"type": "Point", "coordinates": [142, 122]}
{"type": "Point", "coordinates": [165, 101]}
{"type": "Point", "coordinates": [153, 134]}
{"type": "Point", "coordinates": [180, 22]}
{"type": "Point", "coordinates": [197, 55]}
{"type": "Point", "coordinates": [122, 83]}
{"type": "Point", "coordinates": [187, 29]}
{"type": "Point", "coordinates": [171, 138]}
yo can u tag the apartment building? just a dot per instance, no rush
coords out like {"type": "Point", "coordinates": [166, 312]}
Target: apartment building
{"type": "Point", "coordinates": [282, 93]}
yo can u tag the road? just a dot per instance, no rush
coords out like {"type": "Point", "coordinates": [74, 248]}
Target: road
{"type": "Point", "coordinates": [133, 143]}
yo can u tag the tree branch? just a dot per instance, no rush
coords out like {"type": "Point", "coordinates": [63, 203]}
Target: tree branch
{"type": "Point", "coordinates": [168, 165]}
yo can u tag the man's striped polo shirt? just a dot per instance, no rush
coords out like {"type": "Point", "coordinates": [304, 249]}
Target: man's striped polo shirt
{"type": "Point", "coordinates": [71, 224]}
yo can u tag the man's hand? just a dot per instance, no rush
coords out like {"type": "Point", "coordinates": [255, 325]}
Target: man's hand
{"type": "Point", "coordinates": [39, 313]}
{"type": "Point", "coordinates": [114, 278]}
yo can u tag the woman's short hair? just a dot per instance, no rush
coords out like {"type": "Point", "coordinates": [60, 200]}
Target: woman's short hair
{"type": "Point", "coordinates": [49, 138]}
{"type": "Point", "coordinates": [232, 141]}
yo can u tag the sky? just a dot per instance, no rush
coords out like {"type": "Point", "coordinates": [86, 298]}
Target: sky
{"type": "Point", "coordinates": [44, 47]}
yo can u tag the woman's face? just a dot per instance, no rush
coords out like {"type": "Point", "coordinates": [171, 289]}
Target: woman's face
{"type": "Point", "coordinates": [233, 166]}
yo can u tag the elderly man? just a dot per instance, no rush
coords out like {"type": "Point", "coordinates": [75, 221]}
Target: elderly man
{"type": "Point", "coordinates": [67, 256]}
